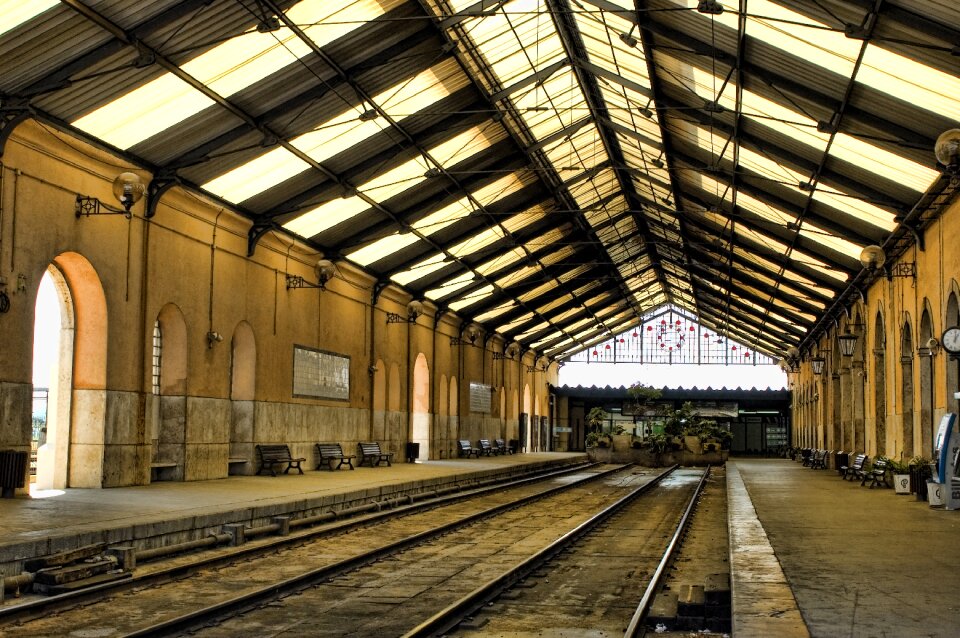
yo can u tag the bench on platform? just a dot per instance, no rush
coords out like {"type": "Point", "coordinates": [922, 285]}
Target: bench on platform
{"type": "Point", "coordinates": [485, 448]}
{"type": "Point", "coordinates": [877, 474]}
{"type": "Point", "coordinates": [371, 453]}
{"type": "Point", "coordinates": [272, 455]}
{"type": "Point", "coordinates": [328, 453]}
{"type": "Point", "coordinates": [464, 449]}
{"type": "Point", "coordinates": [502, 447]}
{"type": "Point", "coordinates": [853, 470]}
{"type": "Point", "coordinates": [819, 460]}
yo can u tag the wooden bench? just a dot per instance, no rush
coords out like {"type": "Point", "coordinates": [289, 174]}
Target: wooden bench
{"type": "Point", "coordinates": [502, 447]}
{"type": "Point", "coordinates": [273, 455]}
{"type": "Point", "coordinates": [371, 453]}
{"type": "Point", "coordinates": [853, 470]}
{"type": "Point", "coordinates": [327, 453]}
{"type": "Point", "coordinates": [819, 460]}
{"type": "Point", "coordinates": [485, 448]}
{"type": "Point", "coordinates": [464, 449]}
{"type": "Point", "coordinates": [877, 474]}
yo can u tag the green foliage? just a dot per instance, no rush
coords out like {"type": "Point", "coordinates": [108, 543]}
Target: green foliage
{"type": "Point", "coordinates": [687, 422]}
{"type": "Point", "coordinates": [595, 439]}
{"type": "Point", "coordinates": [920, 460]}
{"type": "Point", "coordinates": [643, 394]}
{"type": "Point", "coordinates": [896, 467]}
{"type": "Point", "coordinates": [596, 417]}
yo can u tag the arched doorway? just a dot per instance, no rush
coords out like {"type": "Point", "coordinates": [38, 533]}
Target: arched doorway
{"type": "Point", "coordinates": [927, 384]}
{"type": "Point", "coordinates": [906, 398]}
{"type": "Point", "coordinates": [53, 333]}
{"type": "Point", "coordinates": [525, 419]}
{"type": "Point", "coordinates": [76, 434]}
{"type": "Point", "coordinates": [879, 387]}
{"type": "Point", "coordinates": [170, 389]}
{"type": "Point", "coordinates": [243, 381]}
{"type": "Point", "coordinates": [953, 365]}
{"type": "Point", "coordinates": [379, 402]}
{"type": "Point", "coordinates": [420, 409]}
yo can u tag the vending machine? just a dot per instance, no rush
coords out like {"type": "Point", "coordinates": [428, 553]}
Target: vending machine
{"type": "Point", "coordinates": [946, 450]}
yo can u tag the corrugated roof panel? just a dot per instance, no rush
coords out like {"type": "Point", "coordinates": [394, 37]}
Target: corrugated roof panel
{"type": "Point", "coordinates": [477, 295]}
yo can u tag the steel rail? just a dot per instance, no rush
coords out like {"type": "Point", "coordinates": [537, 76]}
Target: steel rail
{"type": "Point", "coordinates": [240, 604]}
{"type": "Point", "coordinates": [635, 628]}
{"type": "Point", "coordinates": [453, 614]}
{"type": "Point", "coordinates": [375, 512]}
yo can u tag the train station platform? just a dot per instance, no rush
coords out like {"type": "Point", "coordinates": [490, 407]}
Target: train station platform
{"type": "Point", "coordinates": [168, 512]}
{"type": "Point", "coordinates": [859, 562]}
{"type": "Point", "coordinates": [811, 554]}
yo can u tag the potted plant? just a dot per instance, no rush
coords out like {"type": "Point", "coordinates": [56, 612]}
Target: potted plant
{"type": "Point", "coordinates": [901, 476]}
{"type": "Point", "coordinates": [921, 471]}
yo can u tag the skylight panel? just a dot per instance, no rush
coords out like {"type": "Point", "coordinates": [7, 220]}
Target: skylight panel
{"type": "Point", "coordinates": [542, 289]}
{"type": "Point", "coordinates": [343, 131]}
{"type": "Point", "coordinates": [559, 301]}
{"type": "Point", "coordinates": [450, 286]}
{"type": "Point", "coordinates": [517, 276]}
{"type": "Point", "coordinates": [501, 261]}
{"type": "Point", "coordinates": [388, 184]}
{"type": "Point", "coordinates": [515, 324]}
{"type": "Point", "coordinates": [495, 312]}
{"type": "Point", "coordinates": [13, 13]}
{"type": "Point", "coordinates": [420, 269]}
{"type": "Point", "coordinates": [472, 298]}
{"type": "Point", "coordinates": [226, 69]}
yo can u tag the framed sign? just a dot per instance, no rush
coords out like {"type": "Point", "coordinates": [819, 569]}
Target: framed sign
{"type": "Point", "coordinates": [318, 374]}
{"type": "Point", "coordinates": [480, 397]}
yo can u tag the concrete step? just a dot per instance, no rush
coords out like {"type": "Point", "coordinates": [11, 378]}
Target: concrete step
{"type": "Point", "coordinates": [663, 611]}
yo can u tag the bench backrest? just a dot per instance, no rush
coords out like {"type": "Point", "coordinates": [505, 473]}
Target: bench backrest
{"type": "Point", "coordinates": [369, 448]}
{"type": "Point", "coordinates": [273, 452]}
{"type": "Point", "coordinates": [464, 445]}
{"type": "Point", "coordinates": [501, 444]}
{"type": "Point", "coordinates": [880, 466]}
{"type": "Point", "coordinates": [485, 444]}
{"type": "Point", "coordinates": [329, 449]}
{"type": "Point", "coordinates": [859, 461]}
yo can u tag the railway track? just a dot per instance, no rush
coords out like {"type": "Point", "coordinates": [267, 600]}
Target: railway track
{"type": "Point", "coordinates": [390, 578]}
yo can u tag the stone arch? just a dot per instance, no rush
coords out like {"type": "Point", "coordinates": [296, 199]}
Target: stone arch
{"type": "Point", "coordinates": [420, 406]}
{"type": "Point", "coordinates": [879, 385]}
{"type": "Point", "coordinates": [83, 433]}
{"type": "Point", "coordinates": [951, 319]}
{"type": "Point", "coordinates": [169, 439]}
{"type": "Point", "coordinates": [525, 418]}
{"type": "Point", "coordinates": [906, 385]}
{"type": "Point", "coordinates": [927, 382]}
{"type": "Point", "coordinates": [243, 388]}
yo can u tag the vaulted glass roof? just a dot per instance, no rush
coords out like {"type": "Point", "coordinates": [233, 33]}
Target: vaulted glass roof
{"type": "Point", "coordinates": [554, 170]}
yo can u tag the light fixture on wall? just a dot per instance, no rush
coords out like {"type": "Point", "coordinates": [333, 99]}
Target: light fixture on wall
{"type": "Point", "coordinates": [324, 269]}
{"type": "Point", "coordinates": [213, 338]}
{"type": "Point", "coordinates": [509, 352]}
{"type": "Point", "coordinates": [468, 337]}
{"type": "Point", "coordinates": [932, 347]}
{"type": "Point", "coordinates": [128, 188]}
{"type": "Point", "coordinates": [873, 259]}
{"type": "Point", "coordinates": [540, 364]}
{"type": "Point", "coordinates": [848, 343]}
{"type": "Point", "coordinates": [791, 360]}
{"type": "Point", "coordinates": [947, 151]}
{"type": "Point", "coordinates": [817, 363]}
{"type": "Point", "coordinates": [414, 310]}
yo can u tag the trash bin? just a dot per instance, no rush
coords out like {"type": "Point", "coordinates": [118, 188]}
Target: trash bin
{"type": "Point", "coordinates": [842, 459]}
{"type": "Point", "coordinates": [919, 474]}
{"type": "Point", "coordinates": [413, 452]}
{"type": "Point", "coordinates": [514, 445]}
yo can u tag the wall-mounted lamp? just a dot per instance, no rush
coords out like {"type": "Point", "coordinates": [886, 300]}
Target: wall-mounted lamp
{"type": "Point", "coordinates": [128, 188]}
{"type": "Point", "coordinates": [508, 353]}
{"type": "Point", "coordinates": [817, 363]}
{"type": "Point", "coordinates": [324, 269]}
{"type": "Point", "coordinates": [791, 360]}
{"type": "Point", "coordinates": [468, 339]}
{"type": "Point", "coordinates": [213, 338]}
{"type": "Point", "coordinates": [873, 258]}
{"type": "Point", "coordinates": [539, 365]}
{"type": "Point", "coordinates": [848, 343]}
{"type": "Point", "coordinates": [947, 150]}
{"type": "Point", "coordinates": [932, 347]}
{"type": "Point", "coordinates": [414, 310]}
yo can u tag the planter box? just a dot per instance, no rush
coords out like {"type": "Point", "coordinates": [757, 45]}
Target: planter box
{"type": "Point", "coordinates": [901, 483]}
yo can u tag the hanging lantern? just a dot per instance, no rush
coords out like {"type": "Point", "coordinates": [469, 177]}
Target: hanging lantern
{"type": "Point", "coordinates": [622, 340]}
{"type": "Point", "coordinates": [734, 348]}
{"type": "Point", "coordinates": [606, 347]}
{"type": "Point", "coordinates": [596, 354]}
{"type": "Point", "coordinates": [692, 329]}
{"type": "Point", "coordinates": [635, 335]}
{"type": "Point", "coordinates": [678, 322]}
{"type": "Point", "coordinates": [662, 344]}
{"type": "Point", "coordinates": [670, 348]}
{"type": "Point", "coordinates": [649, 328]}
{"type": "Point", "coordinates": [706, 335]}
{"type": "Point", "coordinates": [746, 354]}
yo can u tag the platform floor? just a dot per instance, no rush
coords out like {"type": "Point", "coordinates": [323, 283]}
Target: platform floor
{"type": "Point", "coordinates": [860, 562]}
{"type": "Point", "coordinates": [810, 554]}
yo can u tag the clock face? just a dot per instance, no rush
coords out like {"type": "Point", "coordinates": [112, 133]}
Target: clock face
{"type": "Point", "coordinates": [951, 340]}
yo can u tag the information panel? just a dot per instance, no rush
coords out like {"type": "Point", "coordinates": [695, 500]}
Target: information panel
{"type": "Point", "coordinates": [319, 374]}
{"type": "Point", "coordinates": [480, 397]}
